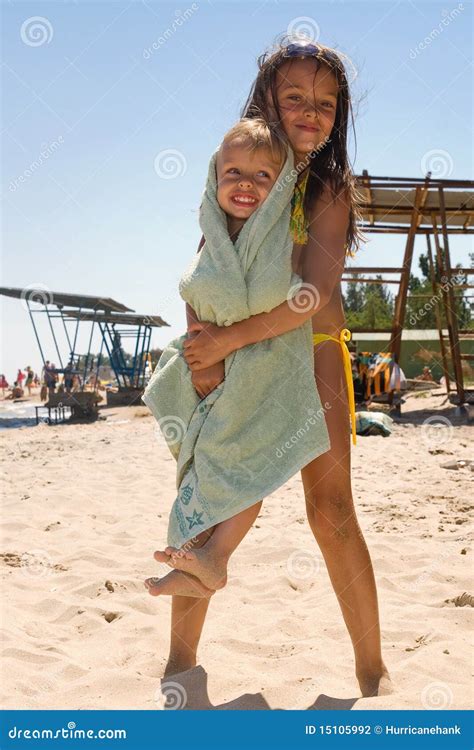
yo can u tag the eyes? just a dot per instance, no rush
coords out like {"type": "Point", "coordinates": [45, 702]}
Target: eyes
{"type": "Point", "coordinates": [297, 99]}
{"type": "Point", "coordinates": [261, 173]}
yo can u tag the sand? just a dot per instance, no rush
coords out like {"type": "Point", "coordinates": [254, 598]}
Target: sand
{"type": "Point", "coordinates": [86, 505]}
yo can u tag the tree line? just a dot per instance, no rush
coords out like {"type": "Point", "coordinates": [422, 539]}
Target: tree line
{"type": "Point", "coordinates": [371, 306]}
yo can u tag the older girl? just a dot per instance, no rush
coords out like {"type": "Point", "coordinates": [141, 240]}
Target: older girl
{"type": "Point", "coordinates": [302, 91]}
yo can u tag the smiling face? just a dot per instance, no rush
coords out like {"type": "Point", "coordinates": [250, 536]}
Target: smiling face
{"type": "Point", "coordinates": [307, 99]}
{"type": "Point", "coordinates": [245, 176]}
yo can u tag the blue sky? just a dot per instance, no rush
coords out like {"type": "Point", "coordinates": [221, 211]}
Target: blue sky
{"type": "Point", "coordinates": [114, 105]}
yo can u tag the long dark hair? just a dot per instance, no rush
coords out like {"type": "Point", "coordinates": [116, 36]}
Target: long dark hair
{"type": "Point", "coordinates": [329, 165]}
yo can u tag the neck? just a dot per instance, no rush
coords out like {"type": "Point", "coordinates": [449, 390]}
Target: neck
{"type": "Point", "coordinates": [302, 168]}
{"type": "Point", "coordinates": [234, 226]}
{"type": "Point", "coordinates": [301, 162]}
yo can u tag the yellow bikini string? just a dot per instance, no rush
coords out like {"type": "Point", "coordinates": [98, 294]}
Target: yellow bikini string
{"type": "Point", "coordinates": [344, 336]}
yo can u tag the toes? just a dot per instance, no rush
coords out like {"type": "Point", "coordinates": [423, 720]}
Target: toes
{"type": "Point", "coordinates": [170, 550]}
{"type": "Point", "coordinates": [161, 556]}
{"type": "Point", "coordinates": [152, 584]}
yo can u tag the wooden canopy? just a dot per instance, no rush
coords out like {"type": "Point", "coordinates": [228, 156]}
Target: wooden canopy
{"type": "Point", "coordinates": [436, 208]}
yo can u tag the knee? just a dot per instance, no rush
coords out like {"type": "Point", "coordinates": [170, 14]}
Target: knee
{"type": "Point", "coordinates": [331, 514]}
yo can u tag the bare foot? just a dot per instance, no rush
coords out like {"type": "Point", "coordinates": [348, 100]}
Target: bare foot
{"type": "Point", "coordinates": [211, 571]}
{"type": "Point", "coordinates": [178, 583]}
{"type": "Point", "coordinates": [375, 684]}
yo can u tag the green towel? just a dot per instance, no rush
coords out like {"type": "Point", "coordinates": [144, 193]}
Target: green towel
{"type": "Point", "coordinates": [265, 421]}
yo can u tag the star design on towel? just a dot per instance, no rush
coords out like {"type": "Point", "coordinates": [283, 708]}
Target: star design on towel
{"type": "Point", "coordinates": [195, 519]}
{"type": "Point", "coordinates": [186, 494]}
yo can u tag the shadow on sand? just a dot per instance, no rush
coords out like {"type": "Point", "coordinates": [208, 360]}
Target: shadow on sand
{"type": "Point", "coordinates": [188, 690]}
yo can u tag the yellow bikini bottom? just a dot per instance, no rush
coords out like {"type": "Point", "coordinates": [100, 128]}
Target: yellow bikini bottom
{"type": "Point", "coordinates": [344, 336]}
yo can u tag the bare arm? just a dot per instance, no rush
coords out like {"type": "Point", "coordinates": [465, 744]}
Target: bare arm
{"type": "Point", "coordinates": [323, 264]}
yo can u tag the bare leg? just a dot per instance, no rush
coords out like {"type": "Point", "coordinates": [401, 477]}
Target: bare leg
{"type": "Point", "coordinates": [333, 521]}
{"type": "Point", "coordinates": [187, 621]}
{"type": "Point", "coordinates": [189, 613]}
{"type": "Point", "coordinates": [209, 564]}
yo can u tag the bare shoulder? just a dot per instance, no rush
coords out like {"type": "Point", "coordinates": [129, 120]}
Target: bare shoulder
{"type": "Point", "coordinates": [331, 201]}
{"type": "Point", "coordinates": [329, 217]}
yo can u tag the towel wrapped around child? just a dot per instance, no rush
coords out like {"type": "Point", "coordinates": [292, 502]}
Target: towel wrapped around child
{"type": "Point", "coordinates": [265, 420]}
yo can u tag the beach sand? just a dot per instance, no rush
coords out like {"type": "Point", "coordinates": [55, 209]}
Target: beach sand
{"type": "Point", "coordinates": [86, 505]}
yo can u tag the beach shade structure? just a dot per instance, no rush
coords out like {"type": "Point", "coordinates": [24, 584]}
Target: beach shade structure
{"type": "Point", "coordinates": [114, 322]}
{"type": "Point", "coordinates": [435, 208]}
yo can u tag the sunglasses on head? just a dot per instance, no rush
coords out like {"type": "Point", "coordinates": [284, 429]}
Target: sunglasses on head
{"type": "Point", "coordinates": [301, 49]}
{"type": "Point", "coordinates": [307, 49]}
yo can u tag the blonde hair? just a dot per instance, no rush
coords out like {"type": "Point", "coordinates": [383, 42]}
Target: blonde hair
{"type": "Point", "coordinates": [255, 133]}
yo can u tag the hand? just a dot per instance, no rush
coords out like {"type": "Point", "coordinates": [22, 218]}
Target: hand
{"type": "Point", "coordinates": [207, 345]}
{"type": "Point", "coordinates": [204, 381]}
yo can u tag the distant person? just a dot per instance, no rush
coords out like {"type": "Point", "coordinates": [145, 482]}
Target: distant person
{"type": "Point", "coordinates": [76, 383]}
{"type": "Point", "coordinates": [20, 376]}
{"type": "Point", "coordinates": [425, 375]}
{"type": "Point", "coordinates": [44, 387]}
{"type": "Point", "coordinates": [46, 364]}
{"type": "Point", "coordinates": [148, 371]}
{"type": "Point", "coordinates": [16, 391]}
{"type": "Point", "coordinates": [50, 377]}
{"type": "Point", "coordinates": [29, 379]}
{"type": "Point", "coordinates": [68, 377]}
{"type": "Point", "coordinates": [3, 384]}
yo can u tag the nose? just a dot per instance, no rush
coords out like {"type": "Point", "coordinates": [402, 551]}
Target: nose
{"type": "Point", "coordinates": [245, 183]}
{"type": "Point", "coordinates": [310, 109]}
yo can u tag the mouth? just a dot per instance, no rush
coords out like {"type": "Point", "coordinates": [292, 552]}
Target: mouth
{"type": "Point", "coordinates": [244, 199]}
{"type": "Point", "coordinates": [309, 128]}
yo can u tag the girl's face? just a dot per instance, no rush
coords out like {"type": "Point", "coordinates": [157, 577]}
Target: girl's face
{"type": "Point", "coordinates": [307, 100]}
{"type": "Point", "coordinates": [245, 177]}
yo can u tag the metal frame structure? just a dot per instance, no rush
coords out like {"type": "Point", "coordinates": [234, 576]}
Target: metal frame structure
{"type": "Point", "coordinates": [114, 321]}
{"type": "Point", "coordinates": [436, 208]}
